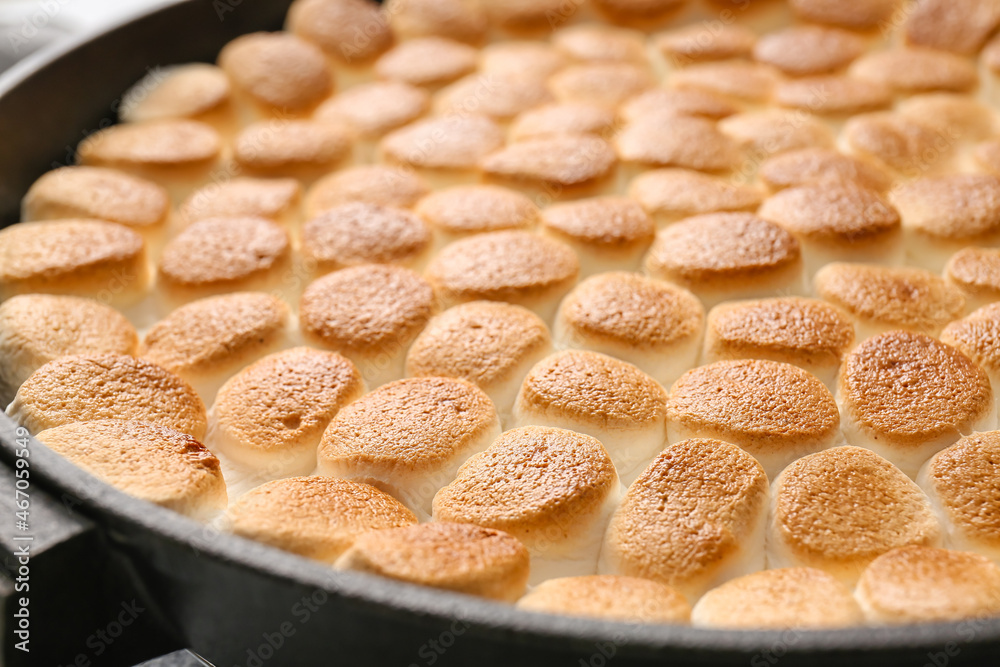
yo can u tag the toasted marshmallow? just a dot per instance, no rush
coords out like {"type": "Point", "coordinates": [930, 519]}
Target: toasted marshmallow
{"type": "Point", "coordinates": [464, 210]}
{"type": "Point", "coordinates": [270, 416]}
{"type": "Point", "coordinates": [96, 192]}
{"type": "Point", "coordinates": [370, 314]}
{"type": "Point", "coordinates": [208, 340]}
{"type": "Point", "coordinates": [906, 396]}
{"type": "Point", "coordinates": [453, 556]}
{"type": "Point", "coordinates": [804, 50]}
{"type": "Point", "coordinates": [838, 222]}
{"type": "Point", "coordinates": [963, 484]}
{"type": "Point", "coordinates": [660, 139]}
{"type": "Point", "coordinates": [512, 266]}
{"type": "Point", "coordinates": [219, 255]}
{"type": "Point", "coordinates": [426, 61]}
{"type": "Point", "coordinates": [678, 103]}
{"type": "Point", "coordinates": [600, 396]}
{"type": "Point", "coordinates": [385, 186]}
{"type": "Point", "coordinates": [855, 14]}
{"type": "Point", "coordinates": [556, 163]}
{"type": "Point", "coordinates": [595, 42]}
{"type": "Point", "coordinates": [563, 118]}
{"type": "Point", "coordinates": [823, 166]}
{"type": "Point", "coordinates": [451, 142]}
{"type": "Point", "coordinates": [919, 584]}
{"type": "Point", "coordinates": [639, 12]}
{"type": "Point", "coordinates": [107, 386]}
{"type": "Point", "coordinates": [724, 400]}
{"type": "Point", "coordinates": [38, 328]}
{"type": "Point", "coordinates": [84, 257]}
{"type": "Point", "coordinates": [648, 323]}
{"type": "Point", "coordinates": [276, 199]}
{"type": "Point", "coordinates": [975, 271]}
{"type": "Point", "coordinates": [537, 60]}
{"type": "Point", "coordinates": [606, 84]}
{"type": "Point", "coordinates": [961, 26]}
{"type": "Point", "coordinates": [976, 337]}
{"type": "Point", "coordinates": [300, 149]}
{"type": "Point", "coordinates": [334, 25]}
{"type": "Point", "coordinates": [959, 117]}
{"type": "Point", "coordinates": [794, 597]}
{"type": "Point", "coordinates": [693, 519]}
{"type": "Point", "coordinates": [315, 517]}
{"type": "Point", "coordinates": [698, 42]}
{"type": "Point", "coordinates": [840, 509]}
{"type": "Point", "coordinates": [360, 233]}
{"type": "Point", "coordinates": [767, 133]}
{"type": "Point", "coordinates": [552, 489]}
{"type": "Point", "coordinates": [409, 437]}
{"type": "Point", "coordinates": [372, 109]}
{"type": "Point", "coordinates": [742, 80]}
{"type": "Point", "coordinates": [832, 95]}
{"type": "Point", "coordinates": [897, 141]}
{"type": "Point", "coordinates": [673, 194]}
{"type": "Point", "coordinates": [520, 16]}
{"type": "Point", "coordinates": [610, 597]}
{"type": "Point", "coordinates": [607, 233]}
{"type": "Point", "coordinates": [942, 215]}
{"type": "Point", "coordinates": [722, 256]}
{"type": "Point", "coordinates": [454, 19]}
{"type": "Point", "coordinates": [492, 345]}
{"type": "Point", "coordinates": [807, 333]}
{"type": "Point", "coordinates": [177, 154]}
{"type": "Point", "coordinates": [881, 299]}
{"type": "Point", "coordinates": [276, 71]}
{"type": "Point", "coordinates": [914, 70]}
{"type": "Point", "coordinates": [497, 95]}
{"type": "Point", "coordinates": [195, 90]}
{"type": "Point", "coordinates": [151, 462]}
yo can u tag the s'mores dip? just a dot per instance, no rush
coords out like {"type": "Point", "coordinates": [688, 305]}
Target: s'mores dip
{"type": "Point", "coordinates": [654, 311]}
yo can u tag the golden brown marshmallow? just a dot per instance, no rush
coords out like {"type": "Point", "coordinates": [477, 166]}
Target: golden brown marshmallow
{"type": "Point", "coordinates": [840, 509]}
{"type": "Point", "coordinates": [563, 118]}
{"type": "Point", "coordinates": [692, 520]}
{"type": "Point", "coordinates": [854, 14]}
{"type": "Point", "coordinates": [151, 462]}
{"type": "Point", "coordinates": [182, 91]}
{"type": "Point", "coordinates": [270, 416]}
{"type": "Point", "coordinates": [449, 142]}
{"type": "Point", "coordinates": [975, 271]}
{"type": "Point", "coordinates": [276, 199]}
{"type": "Point", "coordinates": [334, 25]}
{"type": "Point", "coordinates": [555, 162]}
{"type": "Point", "coordinates": [661, 139]}
{"type": "Point", "coordinates": [454, 19]}
{"type": "Point", "coordinates": [107, 386]}
{"type": "Point", "coordinates": [376, 184]}
{"type": "Point", "coordinates": [672, 194]}
{"type": "Point", "coordinates": [610, 597]}
{"type": "Point", "coordinates": [738, 79]}
{"type": "Point", "coordinates": [473, 209]}
{"type": "Point", "coordinates": [960, 26]}
{"type": "Point", "coordinates": [767, 133]}
{"type": "Point", "coordinates": [699, 42]}
{"type": "Point", "coordinates": [360, 233]}
{"type": "Point", "coordinates": [606, 232]}
{"type": "Point", "coordinates": [426, 61]}
{"type": "Point", "coordinates": [912, 70]}
{"type": "Point", "coordinates": [452, 556]}
{"type": "Point", "coordinates": [277, 70]}
{"type": "Point", "coordinates": [372, 109]}
{"type": "Point", "coordinates": [804, 50]}
{"type": "Point", "coordinates": [315, 517]}
{"type": "Point", "coordinates": [606, 84]}
{"type": "Point", "coordinates": [296, 148]}
{"type": "Point", "coordinates": [821, 165]}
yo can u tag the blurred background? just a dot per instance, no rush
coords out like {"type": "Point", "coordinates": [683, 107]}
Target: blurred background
{"type": "Point", "coordinates": [29, 25]}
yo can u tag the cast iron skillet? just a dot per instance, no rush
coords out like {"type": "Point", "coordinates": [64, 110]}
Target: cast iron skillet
{"type": "Point", "coordinates": [240, 603]}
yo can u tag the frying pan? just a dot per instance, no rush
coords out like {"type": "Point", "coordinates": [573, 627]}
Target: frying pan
{"type": "Point", "coordinates": [239, 603]}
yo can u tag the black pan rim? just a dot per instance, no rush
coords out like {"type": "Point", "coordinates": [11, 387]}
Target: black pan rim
{"type": "Point", "coordinates": [97, 499]}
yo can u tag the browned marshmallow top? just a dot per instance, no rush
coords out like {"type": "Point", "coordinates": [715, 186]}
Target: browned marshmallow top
{"type": "Point", "coordinates": [315, 517]}
{"type": "Point", "coordinates": [843, 507]}
{"type": "Point", "coordinates": [965, 479]}
{"type": "Point", "coordinates": [509, 266]}
{"type": "Point", "coordinates": [352, 31]}
{"type": "Point", "coordinates": [904, 298]}
{"type": "Point", "coordinates": [664, 139]}
{"type": "Point", "coordinates": [608, 596]}
{"type": "Point", "coordinates": [961, 207]}
{"type": "Point", "coordinates": [483, 342]}
{"type": "Point", "coordinates": [630, 310]}
{"type": "Point", "coordinates": [977, 336]}
{"type": "Point", "coordinates": [273, 145]}
{"type": "Point", "coordinates": [277, 70]}
{"type": "Point", "coordinates": [976, 271]}
{"type": "Point", "coordinates": [692, 508]}
{"type": "Point", "coordinates": [791, 329]}
{"type": "Point", "coordinates": [361, 233]}
{"type": "Point", "coordinates": [374, 183]}
{"type": "Point", "coordinates": [961, 26]}
{"type": "Point", "coordinates": [244, 197]}
{"type": "Point", "coordinates": [448, 142]}
{"type": "Point", "coordinates": [808, 49]}
{"type": "Point", "coordinates": [724, 400]}
{"type": "Point", "coordinates": [427, 61]}
{"type": "Point", "coordinates": [721, 249]}
{"type": "Point", "coordinates": [855, 14]}
{"type": "Point", "coordinates": [908, 388]}
{"type": "Point", "coordinates": [157, 143]}
{"type": "Point", "coordinates": [107, 386]}
{"type": "Point", "coordinates": [834, 213]}
{"type": "Point", "coordinates": [821, 165]}
{"type": "Point", "coordinates": [470, 209]}
{"type": "Point", "coordinates": [530, 480]}
{"type": "Point", "coordinates": [219, 252]}
{"type": "Point", "coordinates": [699, 42]}
{"type": "Point", "coordinates": [556, 161]}
{"type": "Point", "coordinates": [454, 19]}
{"type": "Point", "coordinates": [608, 224]}
{"type": "Point", "coordinates": [372, 109]}
{"type": "Point", "coordinates": [369, 309]}
{"type": "Point", "coordinates": [145, 460]}
{"type": "Point", "coordinates": [681, 192]}
{"type": "Point", "coordinates": [96, 192]}
{"type": "Point", "coordinates": [453, 556]}
{"type": "Point", "coordinates": [914, 70]}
